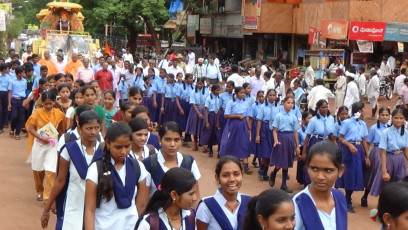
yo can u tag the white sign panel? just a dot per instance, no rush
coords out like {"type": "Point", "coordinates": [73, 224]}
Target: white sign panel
{"type": "Point", "coordinates": [2, 20]}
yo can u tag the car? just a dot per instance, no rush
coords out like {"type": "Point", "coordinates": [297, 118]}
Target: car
{"type": "Point", "coordinates": [22, 37]}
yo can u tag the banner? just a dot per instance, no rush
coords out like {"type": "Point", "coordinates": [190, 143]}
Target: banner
{"type": "Point", "coordinates": [400, 47]}
{"type": "Point", "coordinates": [397, 32]}
{"type": "Point", "coordinates": [205, 26]}
{"type": "Point", "coordinates": [367, 31]}
{"type": "Point", "coordinates": [2, 20]}
{"type": "Point", "coordinates": [334, 29]}
{"type": "Point", "coordinates": [338, 42]}
{"type": "Point", "coordinates": [5, 7]}
{"type": "Point", "coordinates": [314, 35]}
{"type": "Point", "coordinates": [250, 22]}
{"type": "Point", "coordinates": [365, 46]}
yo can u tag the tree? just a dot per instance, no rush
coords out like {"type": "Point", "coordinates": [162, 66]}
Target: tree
{"type": "Point", "coordinates": [125, 16]}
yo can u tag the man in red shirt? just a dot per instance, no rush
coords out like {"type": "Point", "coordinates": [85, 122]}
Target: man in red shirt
{"type": "Point", "coordinates": [104, 77]}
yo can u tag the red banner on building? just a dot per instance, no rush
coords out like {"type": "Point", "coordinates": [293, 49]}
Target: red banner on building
{"type": "Point", "coordinates": [368, 31]}
{"type": "Point", "coordinates": [314, 35]}
{"type": "Point", "coordinates": [334, 29]}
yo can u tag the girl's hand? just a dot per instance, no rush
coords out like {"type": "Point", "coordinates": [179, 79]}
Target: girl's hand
{"type": "Point", "coordinates": [162, 111]}
{"type": "Point", "coordinates": [386, 177]}
{"type": "Point", "coordinates": [218, 125]}
{"type": "Point", "coordinates": [276, 143]}
{"type": "Point", "coordinates": [298, 150]}
{"type": "Point", "coordinates": [45, 140]}
{"type": "Point", "coordinates": [258, 139]}
{"type": "Point", "coordinates": [45, 217]}
{"type": "Point", "coordinates": [181, 112]}
{"type": "Point", "coordinates": [367, 162]}
{"type": "Point", "coordinates": [207, 126]}
{"type": "Point", "coordinates": [240, 117]}
{"type": "Point", "coordinates": [53, 209]}
{"type": "Point", "coordinates": [9, 107]}
{"type": "Point", "coordinates": [200, 116]}
{"type": "Point", "coordinates": [353, 149]}
{"type": "Point", "coordinates": [299, 157]}
{"type": "Point", "coordinates": [155, 104]}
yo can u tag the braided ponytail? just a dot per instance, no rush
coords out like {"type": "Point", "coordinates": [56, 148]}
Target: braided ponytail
{"type": "Point", "coordinates": [105, 185]}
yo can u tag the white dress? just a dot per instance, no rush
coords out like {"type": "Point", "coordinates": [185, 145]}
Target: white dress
{"type": "Point", "coordinates": [108, 216]}
{"type": "Point", "coordinates": [75, 197]}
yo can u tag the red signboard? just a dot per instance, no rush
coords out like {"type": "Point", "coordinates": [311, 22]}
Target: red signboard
{"type": "Point", "coordinates": [368, 31]}
{"type": "Point", "coordinates": [314, 35]}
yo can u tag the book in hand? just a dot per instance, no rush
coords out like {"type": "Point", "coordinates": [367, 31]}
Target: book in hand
{"type": "Point", "coordinates": [48, 131]}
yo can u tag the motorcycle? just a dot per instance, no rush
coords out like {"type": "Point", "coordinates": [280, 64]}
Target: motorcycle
{"type": "Point", "coordinates": [385, 87]}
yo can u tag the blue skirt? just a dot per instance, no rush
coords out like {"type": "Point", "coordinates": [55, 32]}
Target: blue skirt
{"type": "Point", "coordinates": [213, 135]}
{"type": "Point", "coordinates": [235, 139]}
{"type": "Point", "coordinates": [352, 178]}
{"type": "Point", "coordinates": [194, 123]}
{"type": "Point", "coordinates": [158, 100]}
{"type": "Point", "coordinates": [395, 167]}
{"type": "Point", "coordinates": [283, 154]}
{"type": "Point", "coordinates": [148, 102]}
{"type": "Point", "coordinates": [375, 165]}
{"type": "Point", "coordinates": [223, 121]}
{"type": "Point", "coordinates": [170, 111]}
{"type": "Point", "coordinates": [182, 119]}
{"type": "Point", "coordinates": [253, 146]}
{"type": "Point", "coordinates": [265, 147]}
{"type": "Point", "coordinates": [300, 169]}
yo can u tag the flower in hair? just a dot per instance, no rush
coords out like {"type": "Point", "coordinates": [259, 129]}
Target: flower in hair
{"type": "Point", "coordinates": [159, 187]}
{"type": "Point", "coordinates": [107, 173]}
{"type": "Point", "coordinates": [357, 115]}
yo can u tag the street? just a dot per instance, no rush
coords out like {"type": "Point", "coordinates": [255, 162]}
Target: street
{"type": "Point", "coordinates": [21, 210]}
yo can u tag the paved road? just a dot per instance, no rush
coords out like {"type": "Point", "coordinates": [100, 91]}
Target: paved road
{"type": "Point", "coordinates": [20, 210]}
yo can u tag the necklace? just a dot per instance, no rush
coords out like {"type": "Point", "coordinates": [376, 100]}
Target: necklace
{"type": "Point", "coordinates": [179, 217]}
{"type": "Point", "coordinates": [229, 207]}
{"type": "Point", "coordinates": [84, 150]}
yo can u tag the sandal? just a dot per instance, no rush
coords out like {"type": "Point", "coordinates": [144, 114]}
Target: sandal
{"type": "Point", "coordinates": [11, 133]}
{"type": "Point", "coordinates": [17, 137]}
{"type": "Point", "coordinates": [205, 149]}
{"type": "Point", "coordinates": [195, 148]}
{"type": "Point", "coordinates": [39, 197]}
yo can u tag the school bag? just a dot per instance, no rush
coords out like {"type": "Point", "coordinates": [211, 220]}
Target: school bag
{"type": "Point", "coordinates": [99, 166]}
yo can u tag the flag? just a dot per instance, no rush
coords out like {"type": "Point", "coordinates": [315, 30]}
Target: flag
{"type": "Point", "coordinates": [107, 48]}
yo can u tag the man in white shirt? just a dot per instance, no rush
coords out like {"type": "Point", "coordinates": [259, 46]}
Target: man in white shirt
{"type": "Point", "coordinates": [256, 82]}
{"type": "Point", "coordinates": [216, 60]}
{"type": "Point", "coordinates": [145, 67]}
{"type": "Point", "coordinates": [165, 62]}
{"type": "Point", "coordinates": [191, 60]}
{"type": "Point", "coordinates": [199, 69]}
{"type": "Point", "coordinates": [175, 69]}
{"type": "Point", "coordinates": [299, 77]}
{"type": "Point", "coordinates": [28, 53]}
{"type": "Point", "coordinates": [269, 81]}
{"type": "Point", "coordinates": [373, 92]}
{"type": "Point", "coordinates": [391, 62]}
{"type": "Point", "coordinates": [361, 81]}
{"type": "Point", "coordinates": [399, 83]}
{"type": "Point", "coordinates": [130, 74]}
{"type": "Point", "coordinates": [336, 65]}
{"type": "Point", "coordinates": [309, 76]}
{"type": "Point", "coordinates": [317, 93]}
{"type": "Point", "coordinates": [265, 66]}
{"type": "Point", "coordinates": [385, 68]}
{"type": "Point", "coordinates": [212, 71]}
{"type": "Point", "coordinates": [279, 86]}
{"type": "Point", "coordinates": [85, 73]}
{"type": "Point", "coordinates": [152, 64]}
{"type": "Point", "coordinates": [235, 77]}
{"type": "Point", "coordinates": [352, 95]}
{"type": "Point", "coordinates": [11, 54]}
{"type": "Point", "coordinates": [127, 56]}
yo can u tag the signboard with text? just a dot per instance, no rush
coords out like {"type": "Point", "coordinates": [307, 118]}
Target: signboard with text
{"type": "Point", "coordinates": [367, 31]}
{"type": "Point", "coordinates": [334, 29]}
{"type": "Point", "coordinates": [2, 20]}
{"type": "Point", "coordinates": [250, 22]}
{"type": "Point", "coordinates": [397, 32]}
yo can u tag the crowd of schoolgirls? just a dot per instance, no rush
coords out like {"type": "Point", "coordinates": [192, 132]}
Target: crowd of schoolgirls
{"type": "Point", "coordinates": [109, 163]}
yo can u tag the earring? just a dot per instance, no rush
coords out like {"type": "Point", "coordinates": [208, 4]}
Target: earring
{"type": "Point", "coordinates": [174, 200]}
{"type": "Point", "coordinates": [388, 226]}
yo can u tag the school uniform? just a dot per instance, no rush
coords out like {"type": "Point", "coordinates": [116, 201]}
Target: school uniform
{"type": "Point", "coordinates": [295, 111]}
{"type": "Point", "coordinates": [123, 88]}
{"type": "Point", "coordinates": [158, 87]}
{"type": "Point", "coordinates": [194, 123]}
{"type": "Point", "coordinates": [308, 217]}
{"type": "Point", "coordinates": [319, 128]}
{"type": "Point", "coordinates": [4, 85]}
{"type": "Point", "coordinates": [353, 131]}
{"type": "Point", "coordinates": [156, 174]}
{"type": "Point", "coordinates": [393, 143]}
{"type": "Point", "coordinates": [73, 136]}
{"type": "Point", "coordinates": [213, 135]}
{"type": "Point", "coordinates": [183, 93]}
{"type": "Point", "coordinates": [250, 100]}
{"type": "Point", "coordinates": [18, 94]}
{"type": "Point", "coordinates": [120, 212]}
{"type": "Point", "coordinates": [153, 139]}
{"type": "Point", "coordinates": [212, 211]}
{"type": "Point", "coordinates": [235, 136]}
{"type": "Point", "coordinates": [254, 112]}
{"type": "Point", "coordinates": [374, 137]}
{"type": "Point", "coordinates": [225, 98]}
{"type": "Point", "coordinates": [336, 129]}
{"type": "Point", "coordinates": [148, 102]}
{"type": "Point", "coordinates": [283, 154]}
{"type": "Point", "coordinates": [300, 167]}
{"type": "Point", "coordinates": [266, 114]}
{"type": "Point", "coordinates": [138, 82]}
{"type": "Point", "coordinates": [170, 107]}
{"type": "Point", "coordinates": [164, 223]}
{"type": "Point", "coordinates": [145, 153]}
{"type": "Point", "coordinates": [71, 200]}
